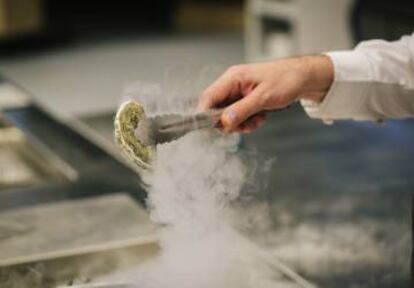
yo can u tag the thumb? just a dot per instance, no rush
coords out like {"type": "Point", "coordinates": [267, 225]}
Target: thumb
{"type": "Point", "coordinates": [239, 111]}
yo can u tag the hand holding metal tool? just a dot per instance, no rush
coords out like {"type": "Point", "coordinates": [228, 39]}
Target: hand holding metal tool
{"type": "Point", "coordinates": [166, 128]}
{"type": "Point", "coordinates": [138, 135]}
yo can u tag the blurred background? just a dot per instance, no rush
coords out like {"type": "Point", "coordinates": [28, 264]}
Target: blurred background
{"type": "Point", "coordinates": [339, 196]}
{"type": "Point", "coordinates": [68, 51]}
{"type": "Point", "coordinates": [95, 49]}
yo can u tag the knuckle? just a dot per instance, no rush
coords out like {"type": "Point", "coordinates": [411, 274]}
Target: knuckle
{"type": "Point", "coordinates": [235, 70]}
{"type": "Point", "coordinates": [225, 121]}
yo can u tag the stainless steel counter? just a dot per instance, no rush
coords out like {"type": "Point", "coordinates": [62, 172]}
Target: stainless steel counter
{"type": "Point", "coordinates": [69, 208]}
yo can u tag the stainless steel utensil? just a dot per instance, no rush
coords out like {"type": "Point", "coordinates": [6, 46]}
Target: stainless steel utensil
{"type": "Point", "coordinates": [166, 128]}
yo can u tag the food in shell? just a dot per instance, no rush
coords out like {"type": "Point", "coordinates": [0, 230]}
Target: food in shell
{"type": "Point", "coordinates": [127, 118]}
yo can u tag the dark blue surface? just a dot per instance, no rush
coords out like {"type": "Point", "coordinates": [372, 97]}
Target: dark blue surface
{"type": "Point", "coordinates": [350, 175]}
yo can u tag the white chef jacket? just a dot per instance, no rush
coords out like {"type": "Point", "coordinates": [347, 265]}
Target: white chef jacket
{"type": "Point", "coordinates": [374, 81]}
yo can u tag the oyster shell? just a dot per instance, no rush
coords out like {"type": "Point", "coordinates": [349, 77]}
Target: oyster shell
{"type": "Point", "coordinates": [127, 118]}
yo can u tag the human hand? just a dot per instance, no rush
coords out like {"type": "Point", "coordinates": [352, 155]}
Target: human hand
{"type": "Point", "coordinates": [248, 91]}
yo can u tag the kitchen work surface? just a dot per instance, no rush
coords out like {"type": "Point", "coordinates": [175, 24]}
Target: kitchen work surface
{"type": "Point", "coordinates": [335, 200]}
{"type": "Point", "coordinates": [75, 213]}
{"type": "Point", "coordinates": [72, 227]}
{"type": "Point", "coordinates": [73, 240]}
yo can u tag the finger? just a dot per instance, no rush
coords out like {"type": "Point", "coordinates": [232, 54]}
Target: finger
{"type": "Point", "coordinates": [222, 89]}
{"type": "Point", "coordinates": [259, 117]}
{"type": "Point", "coordinates": [241, 110]}
{"type": "Point", "coordinates": [259, 122]}
{"type": "Point", "coordinates": [246, 128]}
{"type": "Point", "coordinates": [252, 120]}
{"type": "Point", "coordinates": [252, 124]}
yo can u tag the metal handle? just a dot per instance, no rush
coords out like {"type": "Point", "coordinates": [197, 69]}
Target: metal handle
{"type": "Point", "coordinates": [201, 120]}
{"type": "Point", "coordinates": [206, 119]}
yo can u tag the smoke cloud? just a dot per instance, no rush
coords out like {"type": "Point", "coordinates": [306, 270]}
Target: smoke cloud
{"type": "Point", "coordinates": [193, 185]}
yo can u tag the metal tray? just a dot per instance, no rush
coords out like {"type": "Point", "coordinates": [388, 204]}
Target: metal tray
{"type": "Point", "coordinates": [22, 165]}
{"type": "Point", "coordinates": [53, 244]}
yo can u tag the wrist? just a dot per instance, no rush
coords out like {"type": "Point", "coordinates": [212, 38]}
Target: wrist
{"type": "Point", "coordinates": [319, 76]}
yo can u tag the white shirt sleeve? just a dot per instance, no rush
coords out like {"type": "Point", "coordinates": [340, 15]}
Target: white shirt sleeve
{"type": "Point", "coordinates": [372, 82]}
